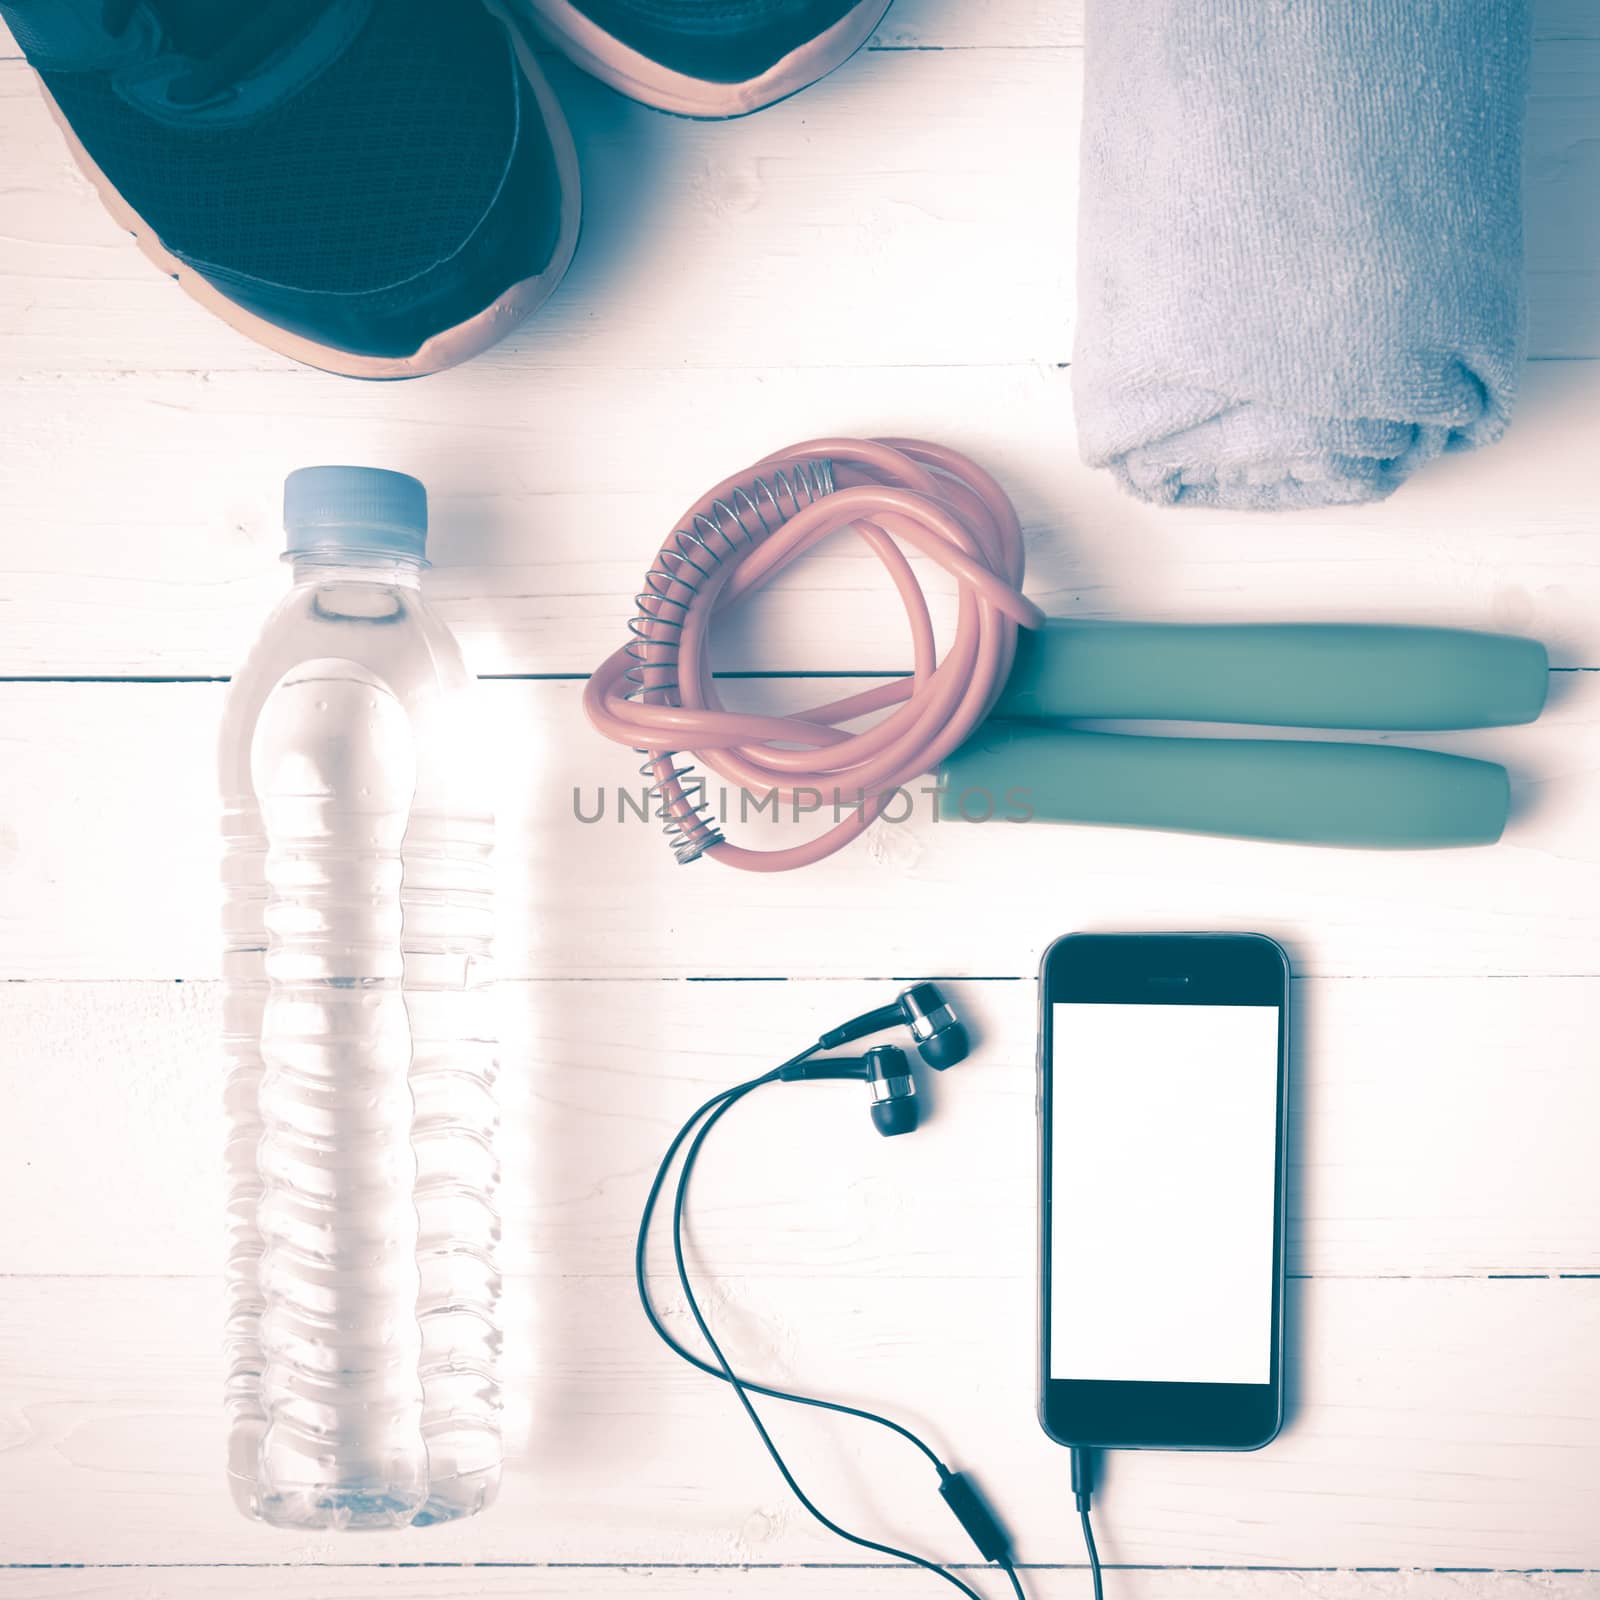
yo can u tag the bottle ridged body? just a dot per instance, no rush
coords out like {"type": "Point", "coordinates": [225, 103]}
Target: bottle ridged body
{"type": "Point", "coordinates": [361, 1333]}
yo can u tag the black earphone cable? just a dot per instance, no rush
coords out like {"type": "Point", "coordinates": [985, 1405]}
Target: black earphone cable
{"type": "Point", "coordinates": [666, 1335]}
{"type": "Point", "coordinates": [741, 1389]}
{"type": "Point", "coordinates": [1094, 1555]}
{"type": "Point", "coordinates": [1082, 1490]}
{"type": "Point", "coordinates": [706, 1117]}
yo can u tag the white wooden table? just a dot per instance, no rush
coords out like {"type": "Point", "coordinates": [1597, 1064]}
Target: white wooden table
{"type": "Point", "coordinates": [891, 252]}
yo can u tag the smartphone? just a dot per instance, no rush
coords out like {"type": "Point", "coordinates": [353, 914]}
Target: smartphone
{"type": "Point", "coordinates": [1163, 1114]}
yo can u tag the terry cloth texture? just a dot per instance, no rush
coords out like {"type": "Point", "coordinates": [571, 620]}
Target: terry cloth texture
{"type": "Point", "coordinates": [1300, 243]}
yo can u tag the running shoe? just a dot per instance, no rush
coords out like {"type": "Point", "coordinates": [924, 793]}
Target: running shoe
{"type": "Point", "coordinates": [707, 58]}
{"type": "Point", "coordinates": [379, 188]}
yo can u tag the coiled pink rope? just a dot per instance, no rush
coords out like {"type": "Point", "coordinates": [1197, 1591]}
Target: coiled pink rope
{"type": "Point", "coordinates": [656, 694]}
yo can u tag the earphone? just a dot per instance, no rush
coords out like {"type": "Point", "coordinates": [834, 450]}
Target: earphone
{"type": "Point", "coordinates": [941, 1040]}
{"type": "Point", "coordinates": [884, 1070]}
{"type": "Point", "coordinates": [940, 1034]}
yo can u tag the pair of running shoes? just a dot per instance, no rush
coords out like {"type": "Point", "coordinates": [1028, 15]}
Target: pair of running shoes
{"type": "Point", "coordinates": [383, 188]}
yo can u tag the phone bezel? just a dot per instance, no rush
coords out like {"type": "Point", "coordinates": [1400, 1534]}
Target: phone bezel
{"type": "Point", "coordinates": [1162, 969]}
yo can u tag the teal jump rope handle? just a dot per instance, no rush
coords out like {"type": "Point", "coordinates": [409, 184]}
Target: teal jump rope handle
{"type": "Point", "coordinates": [1292, 675]}
{"type": "Point", "coordinates": [1297, 791]}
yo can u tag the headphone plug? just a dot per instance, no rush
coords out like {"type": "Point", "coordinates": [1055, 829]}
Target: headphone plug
{"type": "Point", "coordinates": [1082, 1475]}
{"type": "Point", "coordinates": [1082, 1492]}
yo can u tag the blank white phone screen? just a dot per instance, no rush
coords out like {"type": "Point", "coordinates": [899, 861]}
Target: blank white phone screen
{"type": "Point", "coordinates": [1164, 1123]}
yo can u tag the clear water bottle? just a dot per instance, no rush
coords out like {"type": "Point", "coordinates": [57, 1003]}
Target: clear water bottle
{"type": "Point", "coordinates": [362, 1342]}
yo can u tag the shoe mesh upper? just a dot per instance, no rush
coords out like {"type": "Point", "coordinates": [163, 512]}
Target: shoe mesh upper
{"type": "Point", "coordinates": [378, 169]}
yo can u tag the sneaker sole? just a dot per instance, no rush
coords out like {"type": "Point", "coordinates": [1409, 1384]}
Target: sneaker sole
{"type": "Point", "coordinates": [447, 348]}
{"type": "Point", "coordinates": [607, 58]}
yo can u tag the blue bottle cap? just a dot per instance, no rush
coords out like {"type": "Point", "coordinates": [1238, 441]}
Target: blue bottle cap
{"type": "Point", "coordinates": [354, 510]}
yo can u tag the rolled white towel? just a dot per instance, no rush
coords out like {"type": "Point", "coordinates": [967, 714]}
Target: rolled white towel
{"type": "Point", "coordinates": [1300, 243]}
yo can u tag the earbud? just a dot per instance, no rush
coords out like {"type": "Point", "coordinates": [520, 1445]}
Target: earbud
{"type": "Point", "coordinates": [894, 1091]}
{"type": "Point", "coordinates": [940, 1035]}
{"type": "Point", "coordinates": [884, 1070]}
{"type": "Point", "coordinates": [941, 1042]}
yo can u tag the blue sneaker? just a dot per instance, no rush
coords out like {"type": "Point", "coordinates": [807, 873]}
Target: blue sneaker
{"type": "Point", "coordinates": [707, 58]}
{"type": "Point", "coordinates": [380, 188]}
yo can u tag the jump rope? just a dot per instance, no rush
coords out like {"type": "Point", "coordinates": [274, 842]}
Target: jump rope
{"type": "Point", "coordinates": [994, 714]}
{"type": "Point", "coordinates": [657, 692]}
{"type": "Point", "coordinates": [998, 713]}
